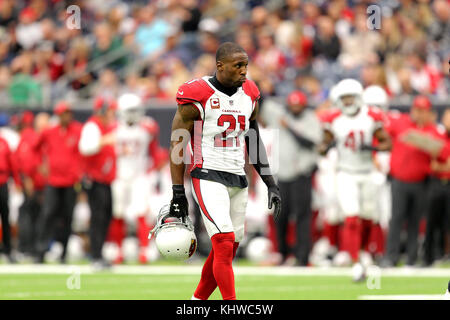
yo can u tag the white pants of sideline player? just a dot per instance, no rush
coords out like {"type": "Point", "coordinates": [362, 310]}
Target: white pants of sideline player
{"type": "Point", "coordinates": [223, 208]}
{"type": "Point", "coordinates": [356, 194]}
{"type": "Point", "coordinates": [131, 197]}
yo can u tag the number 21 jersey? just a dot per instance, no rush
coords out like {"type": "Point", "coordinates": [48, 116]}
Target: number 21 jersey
{"type": "Point", "coordinates": [218, 142]}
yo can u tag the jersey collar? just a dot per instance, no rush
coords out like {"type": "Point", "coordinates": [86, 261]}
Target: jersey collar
{"type": "Point", "coordinates": [229, 91]}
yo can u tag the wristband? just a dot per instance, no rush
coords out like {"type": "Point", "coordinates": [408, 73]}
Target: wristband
{"type": "Point", "coordinates": [178, 188]}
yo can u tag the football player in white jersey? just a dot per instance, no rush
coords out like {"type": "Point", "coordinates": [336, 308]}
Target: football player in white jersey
{"type": "Point", "coordinates": [354, 128]}
{"type": "Point", "coordinates": [216, 113]}
{"type": "Point", "coordinates": [137, 150]}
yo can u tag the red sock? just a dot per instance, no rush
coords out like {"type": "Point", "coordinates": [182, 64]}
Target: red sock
{"type": "Point", "coordinates": [208, 283]}
{"type": "Point", "coordinates": [223, 244]}
{"type": "Point", "coordinates": [142, 231]}
{"type": "Point", "coordinates": [352, 237]}
{"type": "Point", "coordinates": [366, 227]}
{"type": "Point", "coordinates": [377, 239]}
{"type": "Point", "coordinates": [331, 232]}
{"type": "Point", "coordinates": [116, 231]}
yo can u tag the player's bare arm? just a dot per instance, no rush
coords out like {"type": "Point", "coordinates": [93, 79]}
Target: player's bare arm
{"type": "Point", "coordinates": [384, 140]}
{"type": "Point", "coordinates": [327, 142]}
{"type": "Point", "coordinates": [260, 162]}
{"type": "Point", "coordinates": [183, 121]}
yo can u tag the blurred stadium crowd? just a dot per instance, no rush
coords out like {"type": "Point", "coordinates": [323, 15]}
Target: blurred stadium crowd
{"type": "Point", "coordinates": [150, 47]}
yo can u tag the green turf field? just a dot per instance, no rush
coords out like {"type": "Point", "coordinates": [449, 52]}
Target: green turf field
{"type": "Point", "coordinates": [178, 283]}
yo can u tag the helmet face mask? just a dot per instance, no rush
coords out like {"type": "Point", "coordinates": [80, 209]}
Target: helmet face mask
{"type": "Point", "coordinates": [349, 104]}
{"type": "Point", "coordinates": [349, 96]}
{"type": "Point", "coordinates": [175, 239]}
{"type": "Point", "coordinates": [130, 108]}
{"type": "Point", "coordinates": [131, 116]}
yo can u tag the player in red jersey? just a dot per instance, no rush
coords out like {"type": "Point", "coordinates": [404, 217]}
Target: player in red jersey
{"type": "Point", "coordinates": [409, 169]}
{"type": "Point", "coordinates": [437, 235]}
{"type": "Point", "coordinates": [30, 165]}
{"type": "Point", "coordinates": [59, 144]}
{"type": "Point", "coordinates": [97, 146]}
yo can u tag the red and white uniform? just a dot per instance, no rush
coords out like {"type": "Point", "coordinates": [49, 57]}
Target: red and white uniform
{"type": "Point", "coordinates": [28, 159]}
{"type": "Point", "coordinates": [99, 161]}
{"type": "Point", "coordinates": [224, 122]}
{"type": "Point", "coordinates": [218, 144]}
{"type": "Point", "coordinates": [355, 190]}
{"type": "Point", "coordinates": [60, 146]}
{"type": "Point", "coordinates": [137, 149]}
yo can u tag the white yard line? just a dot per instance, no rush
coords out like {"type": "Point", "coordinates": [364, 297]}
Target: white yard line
{"type": "Point", "coordinates": [196, 270]}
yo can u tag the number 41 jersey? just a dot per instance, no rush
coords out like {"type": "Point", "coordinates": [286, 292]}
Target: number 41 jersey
{"type": "Point", "coordinates": [350, 133]}
{"type": "Point", "coordinates": [218, 141]}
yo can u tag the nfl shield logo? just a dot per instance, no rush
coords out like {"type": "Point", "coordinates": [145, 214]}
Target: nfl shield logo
{"type": "Point", "coordinates": [231, 102]}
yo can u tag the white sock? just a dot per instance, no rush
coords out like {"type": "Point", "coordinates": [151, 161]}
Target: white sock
{"type": "Point", "coordinates": [194, 298]}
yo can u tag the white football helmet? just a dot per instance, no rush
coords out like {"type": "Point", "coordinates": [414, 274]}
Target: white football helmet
{"type": "Point", "coordinates": [376, 96]}
{"type": "Point", "coordinates": [174, 239]}
{"type": "Point", "coordinates": [349, 87]}
{"type": "Point", "coordinates": [258, 249]}
{"type": "Point", "coordinates": [130, 109]}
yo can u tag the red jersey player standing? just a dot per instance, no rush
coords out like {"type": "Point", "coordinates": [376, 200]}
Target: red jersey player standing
{"type": "Point", "coordinates": [97, 146]}
{"type": "Point", "coordinates": [409, 169]}
{"type": "Point", "coordinates": [59, 145]}
{"type": "Point", "coordinates": [353, 128]}
{"type": "Point", "coordinates": [30, 166]}
{"type": "Point", "coordinates": [217, 112]}
{"type": "Point", "coordinates": [437, 146]}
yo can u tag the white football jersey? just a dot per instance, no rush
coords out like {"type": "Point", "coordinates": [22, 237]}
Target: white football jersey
{"type": "Point", "coordinates": [350, 133]}
{"type": "Point", "coordinates": [133, 148]}
{"type": "Point", "coordinates": [218, 141]}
